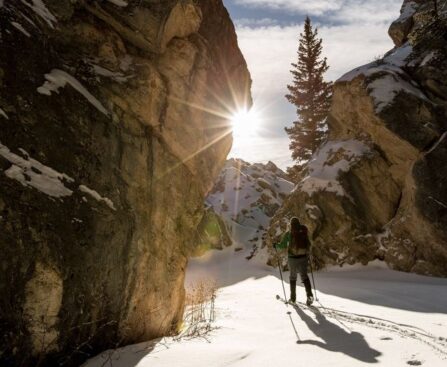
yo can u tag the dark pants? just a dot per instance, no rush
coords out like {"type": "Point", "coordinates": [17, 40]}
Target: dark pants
{"type": "Point", "coordinates": [298, 265]}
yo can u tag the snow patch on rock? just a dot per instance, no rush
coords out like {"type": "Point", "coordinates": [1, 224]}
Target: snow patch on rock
{"type": "Point", "coordinates": [30, 172]}
{"type": "Point", "coordinates": [333, 158]}
{"type": "Point", "coordinates": [57, 79]}
{"type": "Point", "coordinates": [368, 70]}
{"type": "Point", "coordinates": [399, 55]}
{"type": "Point", "coordinates": [116, 76]}
{"type": "Point", "coordinates": [41, 10]}
{"type": "Point", "coordinates": [393, 62]}
{"type": "Point", "coordinates": [3, 113]}
{"type": "Point", "coordinates": [94, 194]}
{"type": "Point", "coordinates": [408, 9]}
{"type": "Point", "coordinates": [120, 3]}
{"type": "Point", "coordinates": [249, 194]}
{"type": "Point", "coordinates": [385, 89]}
{"type": "Point", "coordinates": [428, 58]}
{"type": "Point", "coordinates": [20, 28]}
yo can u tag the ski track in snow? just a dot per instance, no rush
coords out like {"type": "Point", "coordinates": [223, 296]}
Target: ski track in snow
{"type": "Point", "coordinates": [369, 321]}
{"type": "Point", "coordinates": [406, 331]}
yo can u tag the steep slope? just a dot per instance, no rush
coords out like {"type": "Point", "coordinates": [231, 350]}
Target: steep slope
{"type": "Point", "coordinates": [107, 151]}
{"type": "Point", "coordinates": [241, 204]}
{"type": "Point", "coordinates": [378, 187]}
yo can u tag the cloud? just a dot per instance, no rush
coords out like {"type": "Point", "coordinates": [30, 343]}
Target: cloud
{"type": "Point", "coordinates": [335, 10]}
{"type": "Point", "coordinates": [316, 7]}
{"type": "Point", "coordinates": [270, 49]}
{"type": "Point", "coordinates": [263, 150]}
{"type": "Point", "coordinates": [254, 23]}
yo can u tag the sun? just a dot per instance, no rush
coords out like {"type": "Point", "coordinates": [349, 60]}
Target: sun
{"type": "Point", "coordinates": [245, 123]}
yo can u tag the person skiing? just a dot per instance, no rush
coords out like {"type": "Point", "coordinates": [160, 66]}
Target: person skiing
{"type": "Point", "coordinates": [298, 244]}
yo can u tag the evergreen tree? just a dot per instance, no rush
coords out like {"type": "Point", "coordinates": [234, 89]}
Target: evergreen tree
{"type": "Point", "coordinates": [311, 95]}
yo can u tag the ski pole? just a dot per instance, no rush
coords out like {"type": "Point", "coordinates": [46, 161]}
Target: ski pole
{"type": "Point", "coordinates": [280, 272]}
{"type": "Point", "coordinates": [313, 280]}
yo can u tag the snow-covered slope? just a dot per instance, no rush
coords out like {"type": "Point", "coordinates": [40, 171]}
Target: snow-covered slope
{"type": "Point", "coordinates": [246, 196]}
{"type": "Point", "coordinates": [370, 315]}
{"type": "Point", "coordinates": [249, 194]}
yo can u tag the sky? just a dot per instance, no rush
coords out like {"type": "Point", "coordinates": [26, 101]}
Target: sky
{"type": "Point", "coordinates": [354, 32]}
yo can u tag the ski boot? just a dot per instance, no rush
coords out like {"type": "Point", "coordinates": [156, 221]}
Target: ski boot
{"type": "Point", "coordinates": [310, 300]}
{"type": "Point", "coordinates": [292, 292]}
{"type": "Point", "coordinates": [310, 296]}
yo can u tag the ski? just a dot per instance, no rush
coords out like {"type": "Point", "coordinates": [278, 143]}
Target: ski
{"type": "Point", "coordinates": [278, 297]}
{"type": "Point", "coordinates": [296, 304]}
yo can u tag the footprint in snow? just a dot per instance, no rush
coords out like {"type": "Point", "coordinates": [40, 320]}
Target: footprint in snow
{"type": "Point", "coordinates": [414, 363]}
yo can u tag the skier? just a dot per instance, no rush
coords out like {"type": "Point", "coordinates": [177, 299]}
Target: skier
{"type": "Point", "coordinates": [298, 244]}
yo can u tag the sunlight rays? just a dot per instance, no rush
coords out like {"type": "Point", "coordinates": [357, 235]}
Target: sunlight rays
{"type": "Point", "coordinates": [218, 114]}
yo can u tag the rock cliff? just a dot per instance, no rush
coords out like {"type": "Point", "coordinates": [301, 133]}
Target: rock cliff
{"type": "Point", "coordinates": [377, 189]}
{"type": "Point", "coordinates": [111, 136]}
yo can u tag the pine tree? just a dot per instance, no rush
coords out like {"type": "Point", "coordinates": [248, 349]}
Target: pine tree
{"type": "Point", "coordinates": [311, 95]}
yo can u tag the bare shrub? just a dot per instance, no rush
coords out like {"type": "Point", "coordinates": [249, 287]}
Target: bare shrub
{"type": "Point", "coordinates": [200, 312]}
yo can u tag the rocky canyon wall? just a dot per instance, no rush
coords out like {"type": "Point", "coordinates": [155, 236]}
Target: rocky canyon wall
{"type": "Point", "coordinates": [112, 132]}
{"type": "Point", "coordinates": [377, 189]}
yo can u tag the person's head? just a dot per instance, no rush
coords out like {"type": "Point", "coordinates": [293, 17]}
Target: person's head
{"type": "Point", "coordinates": [294, 224]}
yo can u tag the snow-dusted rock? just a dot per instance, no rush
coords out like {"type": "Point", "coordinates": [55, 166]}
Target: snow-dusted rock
{"type": "Point", "coordinates": [388, 199]}
{"type": "Point", "coordinates": [247, 195]}
{"type": "Point", "coordinates": [105, 162]}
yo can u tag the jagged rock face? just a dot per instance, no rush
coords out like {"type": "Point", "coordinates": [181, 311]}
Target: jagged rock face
{"type": "Point", "coordinates": [245, 196]}
{"type": "Point", "coordinates": [378, 187]}
{"type": "Point", "coordinates": [249, 194]}
{"type": "Point", "coordinates": [107, 152]}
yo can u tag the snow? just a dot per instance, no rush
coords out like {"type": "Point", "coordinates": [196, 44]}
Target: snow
{"type": "Point", "coordinates": [441, 139]}
{"type": "Point", "coordinates": [333, 158]}
{"type": "Point", "coordinates": [120, 3]}
{"type": "Point", "coordinates": [430, 56]}
{"type": "Point", "coordinates": [440, 203]}
{"type": "Point", "coordinates": [392, 63]}
{"type": "Point", "coordinates": [364, 315]}
{"type": "Point", "coordinates": [380, 237]}
{"type": "Point", "coordinates": [399, 56]}
{"type": "Point", "coordinates": [32, 173]}
{"type": "Point", "coordinates": [245, 187]}
{"type": "Point", "coordinates": [385, 89]}
{"type": "Point", "coordinates": [389, 78]}
{"type": "Point", "coordinates": [20, 28]}
{"type": "Point", "coordinates": [407, 11]}
{"type": "Point", "coordinates": [116, 76]}
{"type": "Point", "coordinates": [368, 70]}
{"type": "Point", "coordinates": [3, 113]}
{"type": "Point", "coordinates": [126, 63]}
{"type": "Point", "coordinates": [96, 196]}
{"type": "Point", "coordinates": [57, 79]}
{"type": "Point", "coordinates": [41, 10]}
